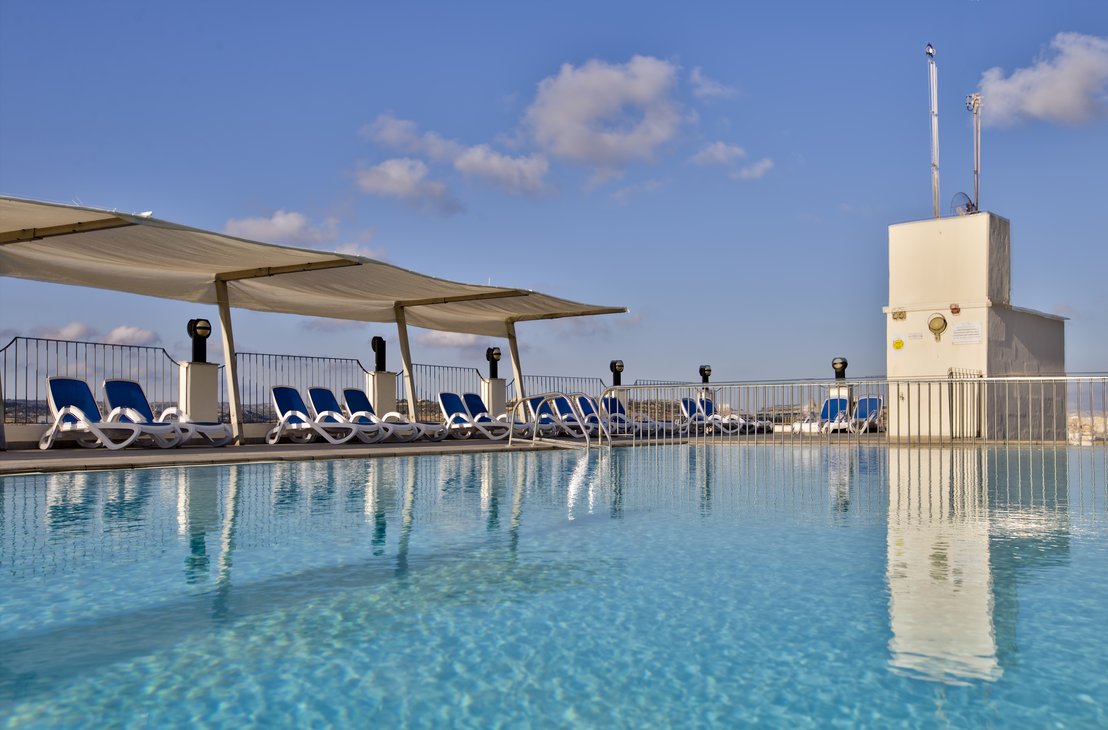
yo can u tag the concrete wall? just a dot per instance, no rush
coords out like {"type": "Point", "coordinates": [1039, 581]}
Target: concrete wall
{"type": "Point", "coordinates": [913, 351]}
{"type": "Point", "coordinates": [963, 260]}
{"type": "Point", "coordinates": [1023, 342]}
{"type": "Point", "coordinates": [959, 268]}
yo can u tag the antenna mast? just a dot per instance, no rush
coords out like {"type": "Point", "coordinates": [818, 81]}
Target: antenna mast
{"type": "Point", "coordinates": [973, 103]}
{"type": "Point", "coordinates": [933, 77]}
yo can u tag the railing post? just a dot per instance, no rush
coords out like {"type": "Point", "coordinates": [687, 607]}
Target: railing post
{"type": "Point", "coordinates": [3, 438]}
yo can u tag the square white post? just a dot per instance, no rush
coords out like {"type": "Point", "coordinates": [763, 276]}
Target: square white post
{"type": "Point", "coordinates": [381, 387]}
{"type": "Point", "coordinates": [494, 392]}
{"type": "Point", "coordinates": [198, 391]}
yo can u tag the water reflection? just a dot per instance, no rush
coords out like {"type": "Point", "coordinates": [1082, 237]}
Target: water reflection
{"type": "Point", "coordinates": [958, 531]}
{"type": "Point", "coordinates": [964, 527]}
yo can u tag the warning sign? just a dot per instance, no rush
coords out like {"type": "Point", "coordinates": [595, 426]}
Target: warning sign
{"type": "Point", "coordinates": [966, 333]}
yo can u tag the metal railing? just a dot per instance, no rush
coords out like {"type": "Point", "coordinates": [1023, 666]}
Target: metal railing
{"type": "Point", "coordinates": [430, 380]}
{"type": "Point", "coordinates": [961, 408]}
{"type": "Point", "coordinates": [534, 384]}
{"type": "Point", "coordinates": [259, 372]}
{"type": "Point", "coordinates": [1064, 409]}
{"type": "Point", "coordinates": [27, 362]}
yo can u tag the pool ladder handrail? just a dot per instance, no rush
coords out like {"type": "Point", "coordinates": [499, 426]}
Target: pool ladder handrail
{"type": "Point", "coordinates": [549, 398]}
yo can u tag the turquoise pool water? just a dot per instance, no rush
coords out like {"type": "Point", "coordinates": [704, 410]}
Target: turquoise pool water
{"type": "Point", "coordinates": [678, 586]}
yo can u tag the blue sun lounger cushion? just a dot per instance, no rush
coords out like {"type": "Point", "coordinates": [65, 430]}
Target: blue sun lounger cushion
{"type": "Point", "coordinates": [77, 416]}
{"type": "Point", "coordinates": [129, 395]}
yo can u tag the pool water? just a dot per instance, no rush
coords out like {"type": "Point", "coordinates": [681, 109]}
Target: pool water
{"type": "Point", "coordinates": [682, 586]}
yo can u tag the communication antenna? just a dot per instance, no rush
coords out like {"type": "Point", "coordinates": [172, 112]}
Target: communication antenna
{"type": "Point", "coordinates": [973, 103]}
{"type": "Point", "coordinates": [933, 78]}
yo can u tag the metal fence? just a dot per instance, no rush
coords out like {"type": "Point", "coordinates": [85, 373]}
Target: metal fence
{"type": "Point", "coordinates": [27, 362]}
{"type": "Point", "coordinates": [430, 380]}
{"type": "Point", "coordinates": [259, 372]}
{"type": "Point", "coordinates": [558, 384]}
{"type": "Point", "coordinates": [933, 411]}
{"type": "Point", "coordinates": [962, 407]}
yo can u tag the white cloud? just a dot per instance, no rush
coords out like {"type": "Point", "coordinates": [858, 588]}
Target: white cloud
{"type": "Point", "coordinates": [513, 174]}
{"type": "Point", "coordinates": [435, 338]}
{"type": "Point", "coordinates": [1071, 86]}
{"type": "Point", "coordinates": [403, 134]}
{"type": "Point", "coordinates": [706, 88]}
{"type": "Point", "coordinates": [623, 195]}
{"type": "Point", "coordinates": [516, 175]}
{"type": "Point", "coordinates": [718, 153]}
{"type": "Point", "coordinates": [128, 335]}
{"type": "Point", "coordinates": [72, 331]}
{"type": "Point", "coordinates": [357, 249]}
{"type": "Point", "coordinates": [754, 171]}
{"type": "Point", "coordinates": [606, 115]}
{"type": "Point", "coordinates": [283, 227]}
{"type": "Point", "coordinates": [406, 179]}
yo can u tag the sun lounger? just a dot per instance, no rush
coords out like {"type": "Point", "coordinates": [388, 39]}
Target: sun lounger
{"type": "Point", "coordinates": [590, 411]}
{"type": "Point", "coordinates": [620, 422]}
{"type": "Point", "coordinates": [834, 415]}
{"type": "Point", "coordinates": [294, 421]}
{"type": "Point", "coordinates": [461, 425]}
{"type": "Point", "coordinates": [867, 414]}
{"type": "Point", "coordinates": [358, 405]}
{"type": "Point", "coordinates": [129, 395]}
{"type": "Point", "coordinates": [368, 428]}
{"type": "Point", "coordinates": [477, 409]}
{"type": "Point", "coordinates": [700, 415]}
{"type": "Point", "coordinates": [77, 416]}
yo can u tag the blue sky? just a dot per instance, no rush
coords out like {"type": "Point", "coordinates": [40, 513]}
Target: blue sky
{"type": "Point", "coordinates": [727, 171]}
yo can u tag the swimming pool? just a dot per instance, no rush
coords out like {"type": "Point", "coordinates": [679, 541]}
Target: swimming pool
{"type": "Point", "coordinates": [648, 587]}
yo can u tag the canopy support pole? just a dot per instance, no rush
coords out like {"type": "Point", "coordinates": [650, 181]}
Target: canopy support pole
{"type": "Point", "coordinates": [230, 362]}
{"type": "Point", "coordinates": [406, 359]}
{"type": "Point", "coordinates": [517, 371]}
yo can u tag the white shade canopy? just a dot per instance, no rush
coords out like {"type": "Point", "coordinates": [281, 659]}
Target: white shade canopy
{"type": "Point", "coordinates": [67, 244]}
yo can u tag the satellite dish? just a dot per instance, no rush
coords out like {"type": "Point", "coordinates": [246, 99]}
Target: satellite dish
{"type": "Point", "coordinates": [962, 204]}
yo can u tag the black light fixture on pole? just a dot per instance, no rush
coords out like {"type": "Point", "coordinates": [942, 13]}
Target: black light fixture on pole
{"type": "Point", "coordinates": [839, 366]}
{"type": "Point", "coordinates": [705, 373]}
{"type": "Point", "coordinates": [199, 330]}
{"type": "Point", "coordinates": [378, 345]}
{"type": "Point", "coordinates": [616, 366]}
{"type": "Point", "coordinates": [492, 354]}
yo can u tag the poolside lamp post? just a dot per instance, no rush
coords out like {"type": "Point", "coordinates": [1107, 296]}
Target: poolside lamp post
{"type": "Point", "coordinates": [378, 345]}
{"type": "Point", "coordinates": [616, 366]}
{"type": "Point", "coordinates": [705, 373]}
{"type": "Point", "coordinates": [494, 391]}
{"type": "Point", "coordinates": [199, 330]}
{"type": "Point", "coordinates": [841, 390]}
{"type": "Point", "coordinates": [492, 354]}
{"type": "Point", "coordinates": [381, 384]}
{"type": "Point", "coordinates": [198, 384]}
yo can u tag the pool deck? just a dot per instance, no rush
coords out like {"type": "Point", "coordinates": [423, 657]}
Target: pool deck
{"type": "Point", "coordinates": [75, 458]}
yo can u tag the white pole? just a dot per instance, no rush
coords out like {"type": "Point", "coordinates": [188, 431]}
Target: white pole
{"type": "Point", "coordinates": [406, 360]}
{"type": "Point", "coordinates": [230, 363]}
{"type": "Point", "coordinates": [933, 78]}
{"type": "Point", "coordinates": [975, 107]}
{"type": "Point", "coordinates": [517, 371]}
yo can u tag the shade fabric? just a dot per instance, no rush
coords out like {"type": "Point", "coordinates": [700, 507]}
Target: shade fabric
{"type": "Point", "coordinates": [67, 244]}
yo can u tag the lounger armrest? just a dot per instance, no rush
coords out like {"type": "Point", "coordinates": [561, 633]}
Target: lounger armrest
{"type": "Point", "coordinates": [118, 414]}
{"type": "Point", "coordinates": [72, 411]}
{"type": "Point", "coordinates": [330, 414]}
{"type": "Point", "coordinates": [356, 416]}
{"type": "Point", "coordinates": [297, 414]}
{"type": "Point", "coordinates": [394, 416]}
{"type": "Point", "coordinates": [173, 413]}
